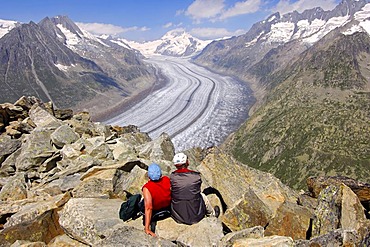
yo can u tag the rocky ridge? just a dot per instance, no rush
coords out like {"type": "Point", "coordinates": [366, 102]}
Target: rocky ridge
{"type": "Point", "coordinates": [64, 177]}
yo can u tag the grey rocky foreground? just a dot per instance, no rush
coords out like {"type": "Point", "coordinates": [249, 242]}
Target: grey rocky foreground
{"type": "Point", "coordinates": [63, 179]}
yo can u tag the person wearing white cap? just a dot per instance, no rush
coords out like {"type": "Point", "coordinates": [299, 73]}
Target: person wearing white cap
{"type": "Point", "coordinates": [157, 195]}
{"type": "Point", "coordinates": [188, 205]}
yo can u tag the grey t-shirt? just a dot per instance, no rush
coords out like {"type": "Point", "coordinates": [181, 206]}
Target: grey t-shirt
{"type": "Point", "coordinates": [187, 205]}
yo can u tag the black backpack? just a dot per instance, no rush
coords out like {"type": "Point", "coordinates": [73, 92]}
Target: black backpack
{"type": "Point", "coordinates": [130, 208]}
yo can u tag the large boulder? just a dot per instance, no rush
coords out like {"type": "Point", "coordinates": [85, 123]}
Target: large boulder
{"type": "Point", "coordinates": [230, 238]}
{"type": "Point", "coordinates": [291, 220]}
{"type": "Point", "coordinates": [42, 118]}
{"type": "Point", "coordinates": [30, 211]}
{"type": "Point", "coordinates": [159, 149]}
{"type": "Point", "coordinates": [338, 237]}
{"type": "Point", "coordinates": [246, 191]}
{"type": "Point", "coordinates": [208, 232]}
{"type": "Point", "coordinates": [123, 235]}
{"type": "Point", "coordinates": [89, 220]}
{"type": "Point", "coordinates": [64, 135]}
{"type": "Point", "coordinates": [126, 146]}
{"type": "Point", "coordinates": [265, 241]}
{"type": "Point", "coordinates": [15, 189]}
{"type": "Point", "coordinates": [339, 207]}
{"type": "Point", "coordinates": [7, 147]}
{"type": "Point", "coordinates": [36, 148]}
{"type": "Point", "coordinates": [362, 190]}
{"type": "Point", "coordinates": [43, 228]}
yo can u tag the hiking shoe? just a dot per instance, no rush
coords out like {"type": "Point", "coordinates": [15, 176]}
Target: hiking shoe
{"type": "Point", "coordinates": [217, 211]}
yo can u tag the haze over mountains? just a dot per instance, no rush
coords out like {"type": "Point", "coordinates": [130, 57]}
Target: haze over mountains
{"type": "Point", "coordinates": [309, 72]}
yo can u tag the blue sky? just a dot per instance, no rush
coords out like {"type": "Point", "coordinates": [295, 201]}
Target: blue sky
{"type": "Point", "coordinates": [144, 20]}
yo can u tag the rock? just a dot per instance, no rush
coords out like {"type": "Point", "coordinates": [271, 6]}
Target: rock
{"type": "Point", "coordinates": [72, 151]}
{"type": "Point", "coordinates": [103, 130]}
{"type": "Point", "coordinates": [63, 135]}
{"type": "Point", "coordinates": [65, 183]}
{"type": "Point", "coordinates": [126, 147]}
{"type": "Point", "coordinates": [8, 166]}
{"type": "Point", "coordinates": [317, 184]}
{"type": "Point", "coordinates": [100, 185]}
{"type": "Point", "coordinates": [122, 235]}
{"type": "Point", "coordinates": [41, 229]}
{"type": "Point", "coordinates": [65, 241]}
{"type": "Point", "coordinates": [159, 149]}
{"type": "Point", "coordinates": [265, 241]}
{"type": "Point", "coordinates": [43, 118]}
{"type": "Point", "coordinates": [4, 118]}
{"type": "Point", "coordinates": [31, 211]}
{"type": "Point", "coordinates": [291, 220]}
{"type": "Point", "coordinates": [36, 148]}
{"type": "Point", "coordinates": [234, 179]}
{"type": "Point", "coordinates": [15, 188]}
{"type": "Point", "coordinates": [7, 147]}
{"type": "Point", "coordinates": [121, 130]}
{"type": "Point", "coordinates": [72, 166]}
{"type": "Point", "coordinates": [208, 232]}
{"type": "Point", "coordinates": [338, 208]}
{"type": "Point", "coordinates": [25, 243]}
{"type": "Point", "coordinates": [352, 212]}
{"type": "Point", "coordinates": [230, 238]}
{"type": "Point", "coordinates": [26, 102]}
{"type": "Point", "coordinates": [96, 147]}
{"type": "Point", "coordinates": [88, 220]}
{"type": "Point", "coordinates": [337, 237]}
{"type": "Point", "coordinates": [249, 211]}
{"type": "Point", "coordinates": [14, 112]}
{"type": "Point", "coordinates": [327, 214]}
{"type": "Point", "coordinates": [63, 114]}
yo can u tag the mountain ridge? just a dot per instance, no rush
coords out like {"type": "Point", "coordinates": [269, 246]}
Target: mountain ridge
{"type": "Point", "coordinates": [313, 116]}
{"type": "Point", "coordinates": [70, 67]}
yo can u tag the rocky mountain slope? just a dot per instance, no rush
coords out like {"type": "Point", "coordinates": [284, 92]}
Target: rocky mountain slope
{"type": "Point", "coordinates": [313, 94]}
{"type": "Point", "coordinates": [55, 60]}
{"type": "Point", "coordinates": [64, 177]}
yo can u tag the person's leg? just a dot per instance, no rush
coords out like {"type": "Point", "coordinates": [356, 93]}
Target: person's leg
{"type": "Point", "coordinates": [209, 209]}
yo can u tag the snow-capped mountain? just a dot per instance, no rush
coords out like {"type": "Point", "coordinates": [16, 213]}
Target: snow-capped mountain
{"type": "Point", "coordinates": [176, 43]}
{"type": "Point", "coordinates": [305, 29]}
{"type": "Point", "coordinates": [6, 26]}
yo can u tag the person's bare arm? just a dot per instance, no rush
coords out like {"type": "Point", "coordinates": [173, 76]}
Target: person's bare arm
{"type": "Point", "coordinates": [148, 211]}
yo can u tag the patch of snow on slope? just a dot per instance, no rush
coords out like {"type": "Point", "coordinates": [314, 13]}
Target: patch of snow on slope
{"type": "Point", "coordinates": [281, 32]}
{"type": "Point", "coordinates": [6, 26]}
{"type": "Point", "coordinates": [353, 29]}
{"type": "Point", "coordinates": [330, 25]}
{"type": "Point", "coordinates": [363, 14]}
{"type": "Point", "coordinates": [366, 25]}
{"type": "Point", "coordinates": [306, 29]}
{"type": "Point", "coordinates": [254, 41]}
{"type": "Point", "coordinates": [71, 38]}
{"type": "Point", "coordinates": [146, 48]}
{"type": "Point", "coordinates": [63, 67]}
{"type": "Point", "coordinates": [122, 43]}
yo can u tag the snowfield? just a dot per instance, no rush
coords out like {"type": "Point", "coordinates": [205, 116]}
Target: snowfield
{"type": "Point", "coordinates": [196, 108]}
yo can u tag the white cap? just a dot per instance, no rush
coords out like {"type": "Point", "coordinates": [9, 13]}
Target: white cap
{"type": "Point", "coordinates": [179, 159]}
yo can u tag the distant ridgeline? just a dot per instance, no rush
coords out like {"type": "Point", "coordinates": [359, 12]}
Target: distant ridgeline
{"type": "Point", "coordinates": [313, 89]}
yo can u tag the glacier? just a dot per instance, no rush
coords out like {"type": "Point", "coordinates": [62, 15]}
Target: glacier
{"type": "Point", "coordinates": [197, 107]}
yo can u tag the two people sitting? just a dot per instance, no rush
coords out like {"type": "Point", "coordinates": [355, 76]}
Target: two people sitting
{"type": "Point", "coordinates": [180, 194]}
